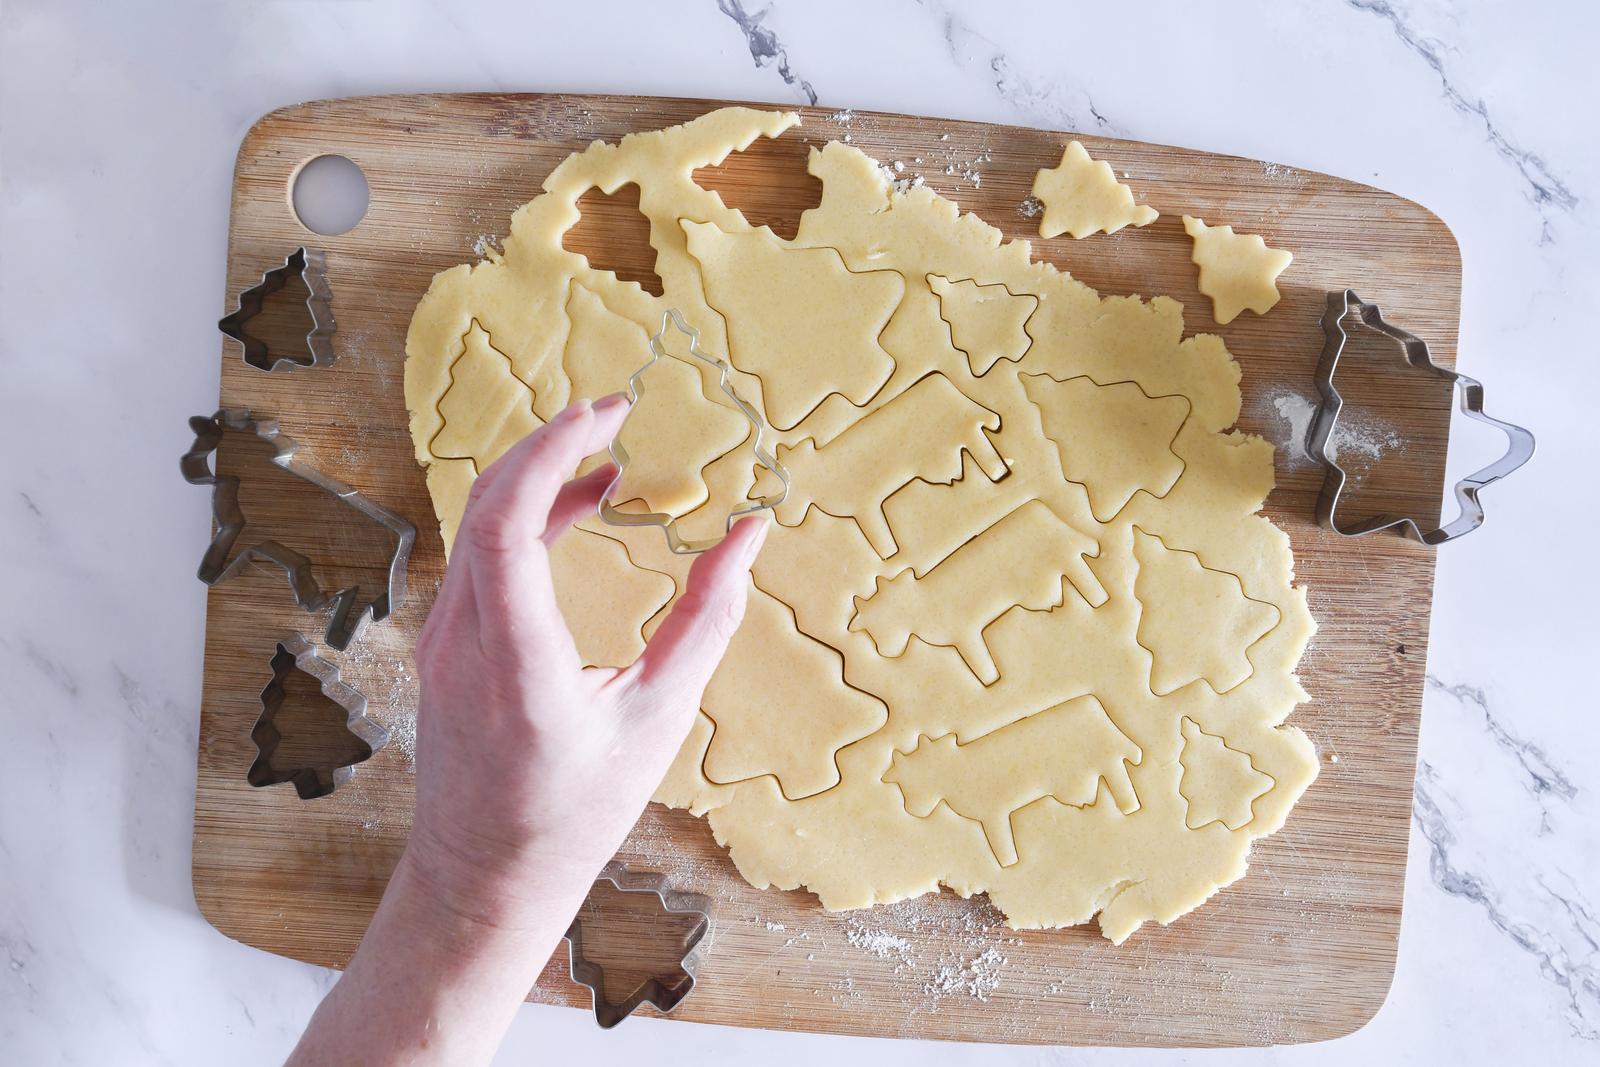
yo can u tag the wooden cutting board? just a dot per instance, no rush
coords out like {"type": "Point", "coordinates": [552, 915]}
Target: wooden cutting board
{"type": "Point", "coordinates": [1302, 949]}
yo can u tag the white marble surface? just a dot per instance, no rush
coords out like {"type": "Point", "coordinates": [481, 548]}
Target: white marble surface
{"type": "Point", "coordinates": [118, 125]}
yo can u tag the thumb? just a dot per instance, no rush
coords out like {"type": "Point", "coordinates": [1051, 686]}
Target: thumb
{"type": "Point", "coordinates": [686, 648]}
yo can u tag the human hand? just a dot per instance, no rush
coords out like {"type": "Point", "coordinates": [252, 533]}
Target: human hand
{"type": "Point", "coordinates": [531, 769]}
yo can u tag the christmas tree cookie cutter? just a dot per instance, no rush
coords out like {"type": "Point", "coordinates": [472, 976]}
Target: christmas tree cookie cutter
{"type": "Point", "coordinates": [672, 319]}
{"type": "Point", "coordinates": [1342, 303]}
{"type": "Point", "coordinates": [311, 266]}
{"type": "Point", "coordinates": [663, 992]}
{"type": "Point", "coordinates": [295, 653]}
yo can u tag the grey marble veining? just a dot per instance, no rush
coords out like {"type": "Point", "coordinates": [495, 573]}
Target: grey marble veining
{"type": "Point", "coordinates": [118, 126]}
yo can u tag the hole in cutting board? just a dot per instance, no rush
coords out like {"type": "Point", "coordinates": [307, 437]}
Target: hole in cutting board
{"type": "Point", "coordinates": [767, 183]}
{"type": "Point", "coordinates": [329, 195]}
{"type": "Point", "coordinates": [614, 235]}
{"type": "Point", "coordinates": [633, 939]}
{"type": "Point", "coordinates": [303, 735]}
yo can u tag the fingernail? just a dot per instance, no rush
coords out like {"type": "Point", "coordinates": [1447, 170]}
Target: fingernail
{"type": "Point", "coordinates": [609, 403]}
{"type": "Point", "coordinates": [752, 547]}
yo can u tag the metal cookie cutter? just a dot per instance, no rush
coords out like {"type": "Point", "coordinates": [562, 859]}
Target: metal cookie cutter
{"type": "Point", "coordinates": [312, 268]}
{"type": "Point", "coordinates": [673, 319]}
{"type": "Point", "coordinates": [215, 565]}
{"type": "Point", "coordinates": [1519, 446]}
{"type": "Point", "coordinates": [666, 994]}
{"type": "Point", "coordinates": [295, 653]}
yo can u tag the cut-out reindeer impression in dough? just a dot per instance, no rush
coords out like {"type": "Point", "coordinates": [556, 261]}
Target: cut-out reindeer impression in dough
{"type": "Point", "coordinates": [964, 660]}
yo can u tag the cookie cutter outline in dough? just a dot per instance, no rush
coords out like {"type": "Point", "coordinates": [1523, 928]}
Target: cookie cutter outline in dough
{"type": "Point", "coordinates": [1519, 442]}
{"type": "Point", "coordinates": [312, 267]}
{"type": "Point", "coordinates": [662, 995]}
{"type": "Point", "coordinates": [230, 519]}
{"type": "Point", "coordinates": [296, 653]}
{"type": "Point", "coordinates": [672, 318]}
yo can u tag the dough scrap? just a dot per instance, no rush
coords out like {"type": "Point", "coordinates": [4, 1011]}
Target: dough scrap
{"type": "Point", "coordinates": [928, 445]}
{"type": "Point", "coordinates": [1237, 270]}
{"type": "Point", "coordinates": [1082, 196]}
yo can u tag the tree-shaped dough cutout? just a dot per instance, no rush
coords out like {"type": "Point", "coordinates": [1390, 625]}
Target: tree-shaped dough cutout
{"type": "Point", "coordinates": [1196, 622]}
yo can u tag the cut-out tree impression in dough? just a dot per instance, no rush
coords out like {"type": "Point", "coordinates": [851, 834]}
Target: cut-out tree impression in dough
{"type": "Point", "coordinates": [776, 675]}
{"type": "Point", "coordinates": [804, 350]}
{"type": "Point", "coordinates": [1082, 196]}
{"type": "Point", "coordinates": [1064, 752]}
{"type": "Point", "coordinates": [672, 433]}
{"type": "Point", "coordinates": [1113, 439]}
{"type": "Point", "coordinates": [986, 321]}
{"type": "Point", "coordinates": [1219, 783]}
{"type": "Point", "coordinates": [1020, 561]}
{"type": "Point", "coordinates": [1237, 270]}
{"type": "Point", "coordinates": [487, 408]}
{"type": "Point", "coordinates": [1169, 587]}
{"type": "Point", "coordinates": [982, 450]}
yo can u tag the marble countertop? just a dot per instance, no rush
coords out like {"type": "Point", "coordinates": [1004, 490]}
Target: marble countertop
{"type": "Point", "coordinates": [118, 127]}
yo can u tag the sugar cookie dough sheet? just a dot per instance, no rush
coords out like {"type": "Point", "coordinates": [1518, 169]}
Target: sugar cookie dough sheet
{"type": "Point", "coordinates": [1022, 627]}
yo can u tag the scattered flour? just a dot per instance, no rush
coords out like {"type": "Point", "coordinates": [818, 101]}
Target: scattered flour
{"type": "Point", "coordinates": [1355, 436]}
{"type": "Point", "coordinates": [977, 977]}
{"type": "Point", "coordinates": [402, 727]}
{"type": "Point", "coordinates": [879, 943]}
{"type": "Point", "coordinates": [487, 246]}
{"type": "Point", "coordinates": [1031, 207]}
{"type": "Point", "coordinates": [1296, 411]}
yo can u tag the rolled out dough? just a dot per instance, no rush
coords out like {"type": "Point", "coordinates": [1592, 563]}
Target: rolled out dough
{"type": "Point", "coordinates": [1018, 629]}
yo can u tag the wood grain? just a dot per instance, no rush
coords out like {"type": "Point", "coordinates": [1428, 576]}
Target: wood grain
{"type": "Point", "coordinates": [1301, 950]}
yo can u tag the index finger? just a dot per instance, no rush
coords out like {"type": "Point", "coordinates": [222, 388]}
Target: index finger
{"type": "Point", "coordinates": [515, 507]}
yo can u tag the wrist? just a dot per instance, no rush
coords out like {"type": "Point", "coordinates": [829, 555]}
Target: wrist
{"type": "Point", "coordinates": [487, 884]}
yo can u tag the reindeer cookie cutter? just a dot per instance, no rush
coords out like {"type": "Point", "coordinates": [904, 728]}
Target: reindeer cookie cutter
{"type": "Point", "coordinates": [672, 319]}
{"type": "Point", "coordinates": [664, 992]}
{"type": "Point", "coordinates": [230, 522]}
{"type": "Point", "coordinates": [1342, 303]}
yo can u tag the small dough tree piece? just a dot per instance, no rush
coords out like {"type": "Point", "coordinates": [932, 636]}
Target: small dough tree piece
{"type": "Point", "coordinates": [1219, 783]}
{"type": "Point", "coordinates": [1237, 270]}
{"type": "Point", "coordinates": [1082, 196]}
